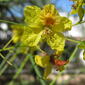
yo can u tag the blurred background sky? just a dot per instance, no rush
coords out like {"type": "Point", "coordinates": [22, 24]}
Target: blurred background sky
{"type": "Point", "coordinates": [65, 5]}
{"type": "Point", "coordinates": [62, 5]}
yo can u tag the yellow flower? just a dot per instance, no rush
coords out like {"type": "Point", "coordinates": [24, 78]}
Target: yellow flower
{"type": "Point", "coordinates": [48, 21]}
{"type": "Point", "coordinates": [42, 24]}
{"type": "Point", "coordinates": [46, 17]}
{"type": "Point", "coordinates": [50, 17]}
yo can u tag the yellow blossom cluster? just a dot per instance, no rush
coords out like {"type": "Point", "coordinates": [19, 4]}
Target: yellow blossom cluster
{"type": "Point", "coordinates": [42, 25]}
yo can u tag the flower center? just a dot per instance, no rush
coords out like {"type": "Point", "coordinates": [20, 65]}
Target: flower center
{"type": "Point", "coordinates": [49, 21]}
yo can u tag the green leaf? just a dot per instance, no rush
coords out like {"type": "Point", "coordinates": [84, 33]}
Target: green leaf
{"type": "Point", "coordinates": [82, 45]}
{"type": "Point", "coordinates": [73, 11]}
{"type": "Point", "coordinates": [80, 12]}
{"type": "Point", "coordinates": [47, 71]}
{"type": "Point", "coordinates": [84, 55]}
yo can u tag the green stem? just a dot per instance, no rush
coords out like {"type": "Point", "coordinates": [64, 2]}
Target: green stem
{"type": "Point", "coordinates": [7, 43]}
{"type": "Point", "coordinates": [37, 70]}
{"type": "Point", "coordinates": [72, 40]}
{"type": "Point", "coordinates": [73, 54]}
{"type": "Point", "coordinates": [78, 23]}
{"type": "Point", "coordinates": [71, 58]}
{"type": "Point", "coordinates": [40, 49]}
{"type": "Point", "coordinates": [4, 49]}
{"type": "Point", "coordinates": [10, 22]}
{"type": "Point", "coordinates": [5, 67]}
{"type": "Point", "coordinates": [57, 76]}
{"type": "Point", "coordinates": [11, 59]}
{"type": "Point", "coordinates": [20, 69]}
{"type": "Point", "coordinates": [5, 59]}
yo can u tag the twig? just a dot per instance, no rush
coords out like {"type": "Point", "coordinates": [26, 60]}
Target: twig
{"type": "Point", "coordinates": [78, 23]}
{"type": "Point", "coordinates": [5, 59]}
{"type": "Point", "coordinates": [10, 22]}
{"type": "Point", "coordinates": [37, 70]}
{"type": "Point", "coordinates": [72, 40]}
{"type": "Point", "coordinates": [19, 70]}
{"type": "Point", "coordinates": [71, 58]}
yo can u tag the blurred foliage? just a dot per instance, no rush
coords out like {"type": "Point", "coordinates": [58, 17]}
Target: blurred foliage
{"type": "Point", "coordinates": [10, 74]}
{"type": "Point", "coordinates": [19, 61]}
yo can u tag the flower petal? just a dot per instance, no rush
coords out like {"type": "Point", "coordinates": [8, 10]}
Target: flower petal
{"type": "Point", "coordinates": [31, 14]}
{"type": "Point", "coordinates": [17, 32]}
{"type": "Point", "coordinates": [36, 27]}
{"type": "Point", "coordinates": [56, 42]}
{"type": "Point", "coordinates": [32, 18]}
{"type": "Point", "coordinates": [64, 24]}
{"type": "Point", "coordinates": [50, 8]}
{"type": "Point", "coordinates": [42, 61]}
{"type": "Point", "coordinates": [30, 38]}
